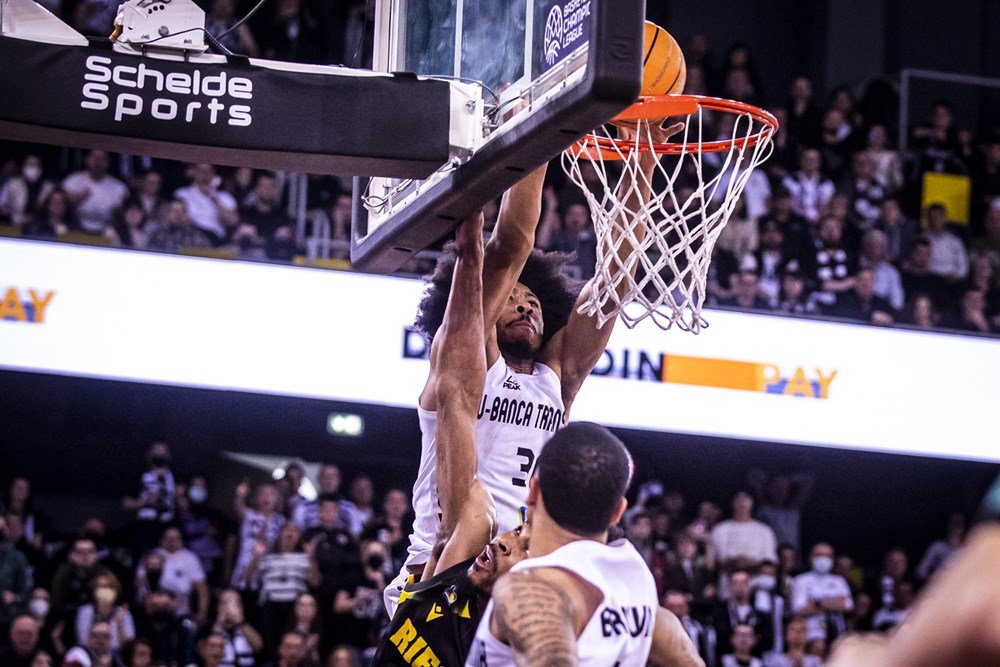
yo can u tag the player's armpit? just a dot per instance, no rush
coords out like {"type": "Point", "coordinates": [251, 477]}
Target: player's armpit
{"type": "Point", "coordinates": [671, 645]}
{"type": "Point", "coordinates": [534, 617]}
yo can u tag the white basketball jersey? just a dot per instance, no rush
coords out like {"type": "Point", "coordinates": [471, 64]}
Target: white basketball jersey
{"type": "Point", "coordinates": [619, 634]}
{"type": "Point", "coordinates": [517, 415]}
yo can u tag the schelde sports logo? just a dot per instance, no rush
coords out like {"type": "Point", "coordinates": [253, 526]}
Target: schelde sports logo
{"type": "Point", "coordinates": [764, 377]}
{"type": "Point", "coordinates": [25, 305]}
{"type": "Point", "coordinates": [566, 26]}
{"type": "Point", "coordinates": [166, 95]}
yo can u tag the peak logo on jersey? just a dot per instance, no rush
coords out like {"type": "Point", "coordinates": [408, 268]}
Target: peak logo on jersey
{"type": "Point", "coordinates": [161, 94]}
{"type": "Point", "coordinates": [511, 383]}
{"type": "Point", "coordinates": [768, 378]}
{"type": "Point", "coordinates": [28, 306]}
{"type": "Point", "coordinates": [633, 621]}
{"type": "Point", "coordinates": [413, 648]}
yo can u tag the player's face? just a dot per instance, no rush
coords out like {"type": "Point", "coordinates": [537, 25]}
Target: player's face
{"type": "Point", "coordinates": [503, 553]}
{"type": "Point", "coordinates": [520, 325]}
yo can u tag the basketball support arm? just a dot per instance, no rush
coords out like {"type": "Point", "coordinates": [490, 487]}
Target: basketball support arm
{"type": "Point", "coordinates": [156, 91]}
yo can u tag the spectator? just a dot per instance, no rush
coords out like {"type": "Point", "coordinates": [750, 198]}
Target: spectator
{"type": "Point", "coordinates": [742, 642]}
{"type": "Point", "coordinates": [741, 543]}
{"type": "Point", "coordinates": [795, 230]}
{"type": "Point", "coordinates": [94, 195]}
{"type": "Point", "coordinates": [212, 650]}
{"type": "Point", "coordinates": [981, 279]}
{"type": "Point", "coordinates": [971, 314]}
{"type": "Point", "coordinates": [106, 592]}
{"type": "Point", "coordinates": [640, 534]}
{"type": "Point", "coordinates": [306, 513]}
{"type": "Point", "coordinates": [895, 571]}
{"type": "Point", "coordinates": [344, 656]}
{"type": "Point", "coordinates": [23, 641]}
{"type": "Point", "coordinates": [392, 527]}
{"type": "Point", "coordinates": [703, 637]}
{"type": "Point", "coordinates": [212, 210]}
{"type": "Point", "coordinates": [334, 551]}
{"type": "Point", "coordinates": [920, 312]}
{"type": "Point", "coordinates": [941, 551]}
{"type": "Point", "coordinates": [862, 304]}
{"type": "Point", "coordinates": [740, 236]}
{"type": "Point", "coordinates": [97, 650]}
{"type": "Point", "coordinates": [863, 191]}
{"type": "Point", "coordinates": [154, 508]}
{"type": "Point", "coordinates": [810, 190]}
{"type": "Point", "coordinates": [282, 576]}
{"type": "Point", "coordinates": [738, 611]}
{"type": "Point", "coordinates": [262, 208]}
{"type": "Point", "coordinates": [821, 597]}
{"type": "Point", "coordinates": [568, 228]}
{"type": "Point", "coordinates": [53, 219]}
{"type": "Point", "coordinates": [687, 571]}
{"type": "Point", "coordinates": [71, 586]}
{"type": "Point", "coordinates": [13, 576]}
{"type": "Point", "coordinates": [831, 264]}
{"type": "Point", "coordinates": [781, 497]}
{"type": "Point", "coordinates": [359, 613]}
{"type": "Point", "coordinates": [746, 293]}
{"type": "Point", "coordinates": [900, 232]}
{"type": "Point", "coordinates": [895, 612]}
{"type": "Point", "coordinates": [357, 508]}
{"type": "Point", "coordinates": [804, 117]}
{"type": "Point", "coordinates": [768, 599]}
{"type": "Point", "coordinates": [793, 299]}
{"type": "Point", "coordinates": [860, 620]}
{"type": "Point", "coordinates": [130, 226]}
{"type": "Point", "coordinates": [247, 243]}
{"type": "Point", "coordinates": [149, 194]}
{"type": "Point", "coordinates": [201, 526]}
{"type": "Point", "coordinates": [888, 164]}
{"type": "Point", "coordinates": [221, 24]}
{"type": "Point", "coordinates": [949, 258]}
{"type": "Point", "coordinates": [177, 231]}
{"type": "Point", "coordinates": [795, 654]}
{"type": "Point", "coordinates": [986, 178]}
{"type": "Point", "coordinates": [136, 653]}
{"type": "Point", "coordinates": [305, 620]}
{"type": "Point", "coordinates": [874, 256]}
{"type": "Point", "coordinates": [242, 641]}
{"type": "Point", "coordinates": [292, 32]}
{"type": "Point", "coordinates": [171, 639]}
{"type": "Point", "coordinates": [21, 197]}
{"type": "Point", "coordinates": [771, 260]}
{"type": "Point", "coordinates": [292, 652]}
{"type": "Point", "coordinates": [836, 142]}
{"type": "Point", "coordinates": [262, 524]}
{"type": "Point", "coordinates": [989, 243]}
{"type": "Point", "coordinates": [937, 142]}
{"type": "Point", "coordinates": [182, 576]}
{"type": "Point", "coordinates": [721, 269]}
{"type": "Point", "coordinates": [39, 604]}
{"type": "Point", "coordinates": [918, 277]}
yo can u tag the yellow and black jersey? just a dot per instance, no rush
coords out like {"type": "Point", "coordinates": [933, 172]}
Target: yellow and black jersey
{"type": "Point", "coordinates": [434, 623]}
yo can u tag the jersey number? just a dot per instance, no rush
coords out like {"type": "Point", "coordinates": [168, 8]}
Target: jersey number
{"type": "Point", "coordinates": [529, 456]}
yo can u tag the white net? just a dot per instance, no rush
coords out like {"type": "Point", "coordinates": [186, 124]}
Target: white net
{"type": "Point", "coordinates": [653, 251]}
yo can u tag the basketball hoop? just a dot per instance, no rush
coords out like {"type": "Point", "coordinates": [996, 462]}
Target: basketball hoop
{"type": "Point", "coordinates": [668, 241]}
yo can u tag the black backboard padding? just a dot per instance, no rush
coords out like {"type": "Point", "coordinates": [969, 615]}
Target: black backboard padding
{"type": "Point", "coordinates": [612, 82]}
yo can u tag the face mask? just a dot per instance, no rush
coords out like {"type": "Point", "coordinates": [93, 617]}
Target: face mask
{"type": "Point", "coordinates": [822, 564]}
{"type": "Point", "coordinates": [375, 561]}
{"type": "Point", "coordinates": [105, 595]}
{"type": "Point", "coordinates": [765, 582]}
{"type": "Point", "coordinates": [32, 173]}
{"type": "Point", "coordinates": [198, 494]}
{"type": "Point", "coordinates": [38, 607]}
{"type": "Point", "coordinates": [153, 579]}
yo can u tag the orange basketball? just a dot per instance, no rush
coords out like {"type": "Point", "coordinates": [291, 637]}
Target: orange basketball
{"type": "Point", "coordinates": [663, 69]}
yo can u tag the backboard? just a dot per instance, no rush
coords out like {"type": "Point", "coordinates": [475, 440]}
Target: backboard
{"type": "Point", "coordinates": [550, 71]}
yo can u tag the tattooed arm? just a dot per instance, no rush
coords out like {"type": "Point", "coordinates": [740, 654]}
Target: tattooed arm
{"type": "Point", "coordinates": [534, 615]}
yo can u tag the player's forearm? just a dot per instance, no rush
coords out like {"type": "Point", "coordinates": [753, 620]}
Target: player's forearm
{"type": "Point", "coordinates": [671, 645]}
{"type": "Point", "coordinates": [520, 212]}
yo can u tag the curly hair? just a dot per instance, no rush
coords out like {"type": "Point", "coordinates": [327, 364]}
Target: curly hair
{"type": "Point", "coordinates": [542, 273]}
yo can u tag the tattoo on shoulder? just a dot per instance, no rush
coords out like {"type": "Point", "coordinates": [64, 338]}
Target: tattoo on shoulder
{"type": "Point", "coordinates": [536, 617]}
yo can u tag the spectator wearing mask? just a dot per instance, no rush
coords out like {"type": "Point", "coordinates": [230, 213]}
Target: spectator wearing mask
{"type": "Point", "coordinates": [262, 524]}
{"type": "Point", "coordinates": [282, 575]}
{"type": "Point", "coordinates": [178, 231]}
{"type": "Point", "coordinates": [96, 652]}
{"type": "Point", "coordinates": [832, 265]}
{"type": "Point", "coordinates": [739, 611]}
{"type": "Point", "coordinates": [242, 641]}
{"type": "Point", "coordinates": [768, 599]}
{"type": "Point", "coordinates": [170, 638]}
{"type": "Point", "coordinates": [702, 636]}
{"type": "Point", "coordinates": [154, 508]}
{"type": "Point", "coordinates": [821, 597]}
{"type": "Point", "coordinates": [95, 195]}
{"type": "Point", "coordinates": [875, 256]}
{"type": "Point", "coordinates": [212, 210]}
{"type": "Point", "coordinates": [13, 576]}
{"type": "Point", "coordinates": [105, 609]}
{"type": "Point", "coordinates": [71, 586]}
{"type": "Point", "coordinates": [392, 526]}
{"type": "Point", "coordinates": [182, 576]}
{"type": "Point", "coordinates": [357, 507]}
{"type": "Point", "coordinates": [22, 642]}
{"type": "Point", "coordinates": [201, 526]}
{"type": "Point", "coordinates": [781, 498]}
{"type": "Point", "coordinates": [862, 304]}
{"type": "Point", "coordinates": [359, 613]}
{"type": "Point", "coordinates": [742, 543]}
{"type": "Point", "coordinates": [333, 549]}
{"type": "Point", "coordinates": [21, 197]}
{"type": "Point", "coordinates": [900, 232]}
{"type": "Point", "coordinates": [919, 279]}
{"type": "Point", "coordinates": [941, 551]}
{"type": "Point", "coordinates": [949, 258]}
{"type": "Point", "coordinates": [38, 605]}
{"type": "Point", "coordinates": [306, 513]}
{"type": "Point", "coordinates": [742, 642]}
{"type": "Point", "coordinates": [795, 655]}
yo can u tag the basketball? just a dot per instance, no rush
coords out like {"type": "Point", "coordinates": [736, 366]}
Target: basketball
{"type": "Point", "coordinates": [663, 69]}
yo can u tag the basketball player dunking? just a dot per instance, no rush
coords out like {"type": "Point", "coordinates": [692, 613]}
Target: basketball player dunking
{"type": "Point", "coordinates": [539, 350]}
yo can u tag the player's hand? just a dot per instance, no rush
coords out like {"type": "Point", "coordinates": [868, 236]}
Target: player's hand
{"type": "Point", "coordinates": [469, 234]}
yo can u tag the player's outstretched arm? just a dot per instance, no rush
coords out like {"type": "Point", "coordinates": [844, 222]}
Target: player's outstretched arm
{"type": "Point", "coordinates": [534, 616]}
{"type": "Point", "coordinates": [671, 645]}
{"type": "Point", "coordinates": [575, 350]}
{"type": "Point", "coordinates": [467, 512]}
{"type": "Point", "coordinates": [508, 250]}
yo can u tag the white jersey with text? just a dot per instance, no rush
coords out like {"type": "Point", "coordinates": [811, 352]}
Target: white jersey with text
{"type": "Point", "coordinates": [619, 634]}
{"type": "Point", "coordinates": [517, 415]}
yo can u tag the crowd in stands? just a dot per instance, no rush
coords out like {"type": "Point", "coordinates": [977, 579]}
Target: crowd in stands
{"type": "Point", "coordinates": [278, 575]}
{"type": "Point", "coordinates": [833, 225]}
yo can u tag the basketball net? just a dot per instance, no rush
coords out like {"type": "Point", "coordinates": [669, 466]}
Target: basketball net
{"type": "Point", "coordinates": [653, 261]}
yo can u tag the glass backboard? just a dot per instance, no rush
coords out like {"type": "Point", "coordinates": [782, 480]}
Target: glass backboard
{"type": "Point", "coordinates": [549, 70]}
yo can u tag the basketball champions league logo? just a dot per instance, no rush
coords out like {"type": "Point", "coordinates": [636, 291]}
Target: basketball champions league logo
{"type": "Point", "coordinates": [567, 26]}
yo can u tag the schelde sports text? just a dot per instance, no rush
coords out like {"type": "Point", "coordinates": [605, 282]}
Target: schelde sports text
{"type": "Point", "coordinates": [188, 97]}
